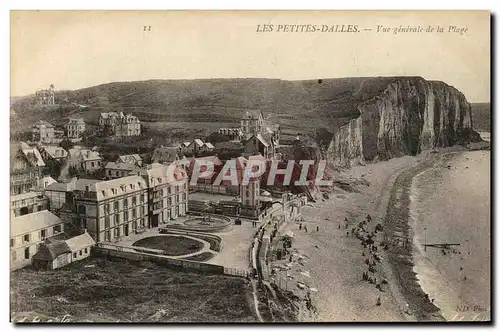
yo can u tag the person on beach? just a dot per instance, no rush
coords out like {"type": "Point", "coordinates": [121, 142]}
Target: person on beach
{"type": "Point", "coordinates": [317, 228]}
{"type": "Point", "coordinates": [305, 229]}
{"type": "Point", "coordinates": [378, 301]}
{"type": "Point", "coordinates": [300, 227]}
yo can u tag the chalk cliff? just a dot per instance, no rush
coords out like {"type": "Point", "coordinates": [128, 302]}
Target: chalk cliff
{"type": "Point", "coordinates": [409, 116]}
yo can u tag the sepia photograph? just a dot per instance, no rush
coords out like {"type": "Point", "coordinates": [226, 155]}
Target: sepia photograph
{"type": "Point", "coordinates": [172, 166]}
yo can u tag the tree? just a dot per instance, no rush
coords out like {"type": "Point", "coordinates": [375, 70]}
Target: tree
{"type": "Point", "coordinates": [66, 144]}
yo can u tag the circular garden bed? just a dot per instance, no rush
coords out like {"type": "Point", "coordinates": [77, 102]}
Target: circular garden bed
{"type": "Point", "coordinates": [171, 245]}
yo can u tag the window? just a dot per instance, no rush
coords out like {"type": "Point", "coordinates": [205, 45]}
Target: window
{"type": "Point", "coordinates": [134, 225]}
{"type": "Point", "coordinates": [74, 255]}
{"type": "Point", "coordinates": [134, 213]}
{"type": "Point", "coordinates": [117, 232]}
{"type": "Point", "coordinates": [27, 253]}
{"type": "Point", "coordinates": [80, 252]}
{"type": "Point", "coordinates": [106, 208]}
{"type": "Point", "coordinates": [141, 198]}
{"type": "Point", "coordinates": [57, 229]}
{"type": "Point", "coordinates": [106, 222]}
{"type": "Point", "coordinates": [125, 215]}
{"type": "Point", "coordinates": [142, 210]}
{"type": "Point", "coordinates": [13, 255]}
{"type": "Point", "coordinates": [125, 203]}
{"type": "Point", "coordinates": [82, 209]}
{"type": "Point", "coordinates": [12, 242]}
{"type": "Point", "coordinates": [117, 219]}
{"type": "Point", "coordinates": [142, 222]}
{"type": "Point", "coordinates": [107, 236]}
{"type": "Point", "coordinates": [115, 206]}
{"type": "Point", "coordinates": [93, 164]}
{"type": "Point", "coordinates": [43, 234]}
{"type": "Point", "coordinates": [39, 208]}
{"type": "Point", "coordinates": [26, 238]}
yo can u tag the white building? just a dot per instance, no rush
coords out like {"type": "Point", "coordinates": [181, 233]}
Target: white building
{"type": "Point", "coordinates": [27, 232]}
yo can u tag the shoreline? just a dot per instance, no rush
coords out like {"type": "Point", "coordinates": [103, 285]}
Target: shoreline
{"type": "Point", "coordinates": [398, 229]}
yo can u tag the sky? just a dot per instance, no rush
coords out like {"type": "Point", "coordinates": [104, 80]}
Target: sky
{"type": "Point", "coordinates": [77, 49]}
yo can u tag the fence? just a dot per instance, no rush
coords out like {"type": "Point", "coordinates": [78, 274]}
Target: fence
{"type": "Point", "coordinates": [236, 272]}
{"type": "Point", "coordinates": [111, 250]}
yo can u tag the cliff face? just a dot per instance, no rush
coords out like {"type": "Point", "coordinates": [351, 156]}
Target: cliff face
{"type": "Point", "coordinates": [409, 116]}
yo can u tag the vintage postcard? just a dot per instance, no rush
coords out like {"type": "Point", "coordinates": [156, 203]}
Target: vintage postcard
{"type": "Point", "coordinates": [250, 166]}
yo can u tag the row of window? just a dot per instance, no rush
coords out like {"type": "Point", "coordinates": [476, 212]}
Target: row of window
{"type": "Point", "coordinates": [117, 230]}
{"type": "Point", "coordinates": [124, 202]}
{"type": "Point", "coordinates": [126, 216]}
{"type": "Point", "coordinates": [27, 238]}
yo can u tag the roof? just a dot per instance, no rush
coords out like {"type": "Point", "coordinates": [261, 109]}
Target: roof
{"type": "Point", "coordinates": [260, 138]}
{"type": "Point", "coordinates": [252, 114]}
{"type": "Point", "coordinates": [125, 166]}
{"type": "Point", "coordinates": [165, 153]}
{"type": "Point", "coordinates": [198, 142]}
{"type": "Point", "coordinates": [43, 123]}
{"type": "Point", "coordinates": [129, 158]}
{"type": "Point", "coordinates": [60, 186]}
{"type": "Point", "coordinates": [104, 189]}
{"type": "Point", "coordinates": [79, 242]}
{"type": "Point", "coordinates": [228, 145]}
{"type": "Point", "coordinates": [75, 121]}
{"type": "Point", "coordinates": [214, 159]}
{"type": "Point", "coordinates": [32, 222]}
{"type": "Point", "coordinates": [84, 154]}
{"type": "Point", "coordinates": [30, 194]}
{"type": "Point", "coordinates": [164, 174]}
{"type": "Point", "coordinates": [46, 181]}
{"type": "Point", "coordinates": [209, 145]}
{"type": "Point", "coordinates": [51, 251]}
{"type": "Point", "coordinates": [55, 151]}
{"type": "Point", "coordinates": [31, 154]}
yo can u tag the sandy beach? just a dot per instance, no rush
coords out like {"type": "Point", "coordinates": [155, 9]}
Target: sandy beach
{"type": "Point", "coordinates": [335, 262]}
{"type": "Point", "coordinates": [411, 292]}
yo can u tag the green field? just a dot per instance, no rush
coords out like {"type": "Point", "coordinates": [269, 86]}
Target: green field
{"type": "Point", "coordinates": [101, 290]}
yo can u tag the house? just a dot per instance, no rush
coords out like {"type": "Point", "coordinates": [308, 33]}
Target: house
{"type": "Point", "coordinates": [26, 164]}
{"type": "Point", "coordinates": [60, 194]}
{"type": "Point", "coordinates": [166, 154]}
{"type": "Point", "coordinates": [252, 122]}
{"type": "Point", "coordinates": [27, 232]}
{"type": "Point", "coordinates": [26, 203]}
{"type": "Point", "coordinates": [59, 253]}
{"type": "Point", "coordinates": [84, 159]}
{"type": "Point", "coordinates": [120, 125]}
{"type": "Point", "coordinates": [45, 96]}
{"type": "Point", "coordinates": [44, 182]}
{"type": "Point", "coordinates": [208, 147]}
{"type": "Point", "coordinates": [43, 132]}
{"type": "Point", "coordinates": [167, 193]}
{"type": "Point", "coordinates": [52, 152]}
{"type": "Point", "coordinates": [131, 159]}
{"type": "Point", "coordinates": [195, 147]}
{"type": "Point", "coordinates": [258, 144]}
{"type": "Point", "coordinates": [75, 128]}
{"type": "Point", "coordinates": [234, 134]}
{"type": "Point", "coordinates": [113, 209]}
{"type": "Point", "coordinates": [118, 170]}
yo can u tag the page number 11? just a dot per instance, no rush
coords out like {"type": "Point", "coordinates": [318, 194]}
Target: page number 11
{"type": "Point", "coordinates": [146, 28]}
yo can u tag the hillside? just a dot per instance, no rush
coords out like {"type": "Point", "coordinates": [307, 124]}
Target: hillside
{"type": "Point", "coordinates": [481, 116]}
{"type": "Point", "coordinates": [297, 105]}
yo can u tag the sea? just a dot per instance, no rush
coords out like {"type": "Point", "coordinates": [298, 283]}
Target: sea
{"type": "Point", "coordinates": [451, 221]}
